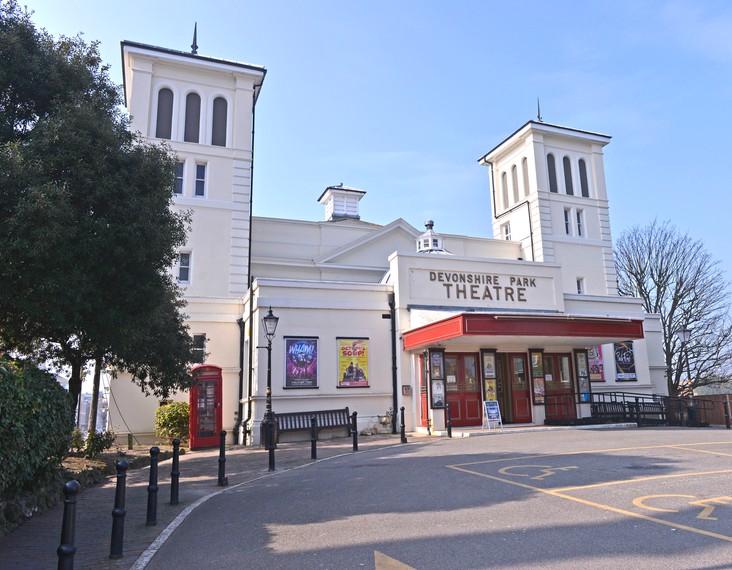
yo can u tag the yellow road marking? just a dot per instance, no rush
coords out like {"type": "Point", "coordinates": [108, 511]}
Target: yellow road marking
{"type": "Point", "coordinates": [561, 495]}
{"type": "Point", "coordinates": [544, 470]}
{"type": "Point", "coordinates": [641, 479]}
{"type": "Point", "coordinates": [640, 502]}
{"type": "Point", "coordinates": [384, 562]}
{"type": "Point", "coordinates": [702, 451]}
{"type": "Point", "coordinates": [708, 508]}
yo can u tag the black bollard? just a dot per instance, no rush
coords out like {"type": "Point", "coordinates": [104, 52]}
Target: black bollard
{"type": "Point", "coordinates": [175, 473]}
{"type": "Point", "coordinates": [354, 429]}
{"type": "Point", "coordinates": [67, 548]}
{"type": "Point", "coordinates": [313, 437]}
{"type": "Point", "coordinates": [449, 420]}
{"type": "Point", "coordinates": [152, 489]}
{"type": "Point", "coordinates": [223, 480]}
{"type": "Point", "coordinates": [725, 405]}
{"type": "Point", "coordinates": [403, 427]}
{"type": "Point", "coordinates": [119, 512]}
{"type": "Point", "coordinates": [271, 443]}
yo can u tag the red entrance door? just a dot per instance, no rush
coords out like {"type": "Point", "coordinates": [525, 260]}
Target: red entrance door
{"type": "Point", "coordinates": [423, 391]}
{"type": "Point", "coordinates": [463, 389]}
{"type": "Point", "coordinates": [559, 387]}
{"type": "Point", "coordinates": [520, 393]}
{"type": "Point", "coordinates": [205, 403]}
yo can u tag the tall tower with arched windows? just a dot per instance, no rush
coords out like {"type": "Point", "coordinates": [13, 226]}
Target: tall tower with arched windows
{"type": "Point", "coordinates": [548, 193]}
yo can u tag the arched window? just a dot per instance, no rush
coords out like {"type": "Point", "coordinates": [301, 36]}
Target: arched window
{"type": "Point", "coordinates": [504, 189]}
{"type": "Point", "coordinates": [552, 167]}
{"type": "Point", "coordinates": [568, 176]}
{"type": "Point", "coordinates": [514, 183]}
{"type": "Point", "coordinates": [583, 178]}
{"type": "Point", "coordinates": [193, 118]}
{"type": "Point", "coordinates": [218, 130]}
{"type": "Point", "coordinates": [525, 172]}
{"type": "Point", "coordinates": [164, 125]}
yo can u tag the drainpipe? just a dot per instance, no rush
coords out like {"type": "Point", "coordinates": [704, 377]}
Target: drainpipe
{"type": "Point", "coordinates": [247, 430]}
{"type": "Point", "coordinates": [394, 377]}
{"type": "Point", "coordinates": [240, 406]}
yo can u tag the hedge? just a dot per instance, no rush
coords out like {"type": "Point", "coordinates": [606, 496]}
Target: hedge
{"type": "Point", "coordinates": [36, 421]}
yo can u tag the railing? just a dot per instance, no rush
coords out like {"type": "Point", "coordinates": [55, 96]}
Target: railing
{"type": "Point", "coordinates": [645, 409]}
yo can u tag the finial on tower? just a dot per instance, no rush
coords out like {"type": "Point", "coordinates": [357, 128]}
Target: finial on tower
{"type": "Point", "coordinates": [538, 111]}
{"type": "Point", "coordinates": [194, 45]}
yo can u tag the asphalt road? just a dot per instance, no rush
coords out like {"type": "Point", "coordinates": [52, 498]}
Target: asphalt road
{"type": "Point", "coordinates": [600, 499]}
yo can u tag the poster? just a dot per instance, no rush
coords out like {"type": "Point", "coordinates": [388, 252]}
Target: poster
{"type": "Point", "coordinates": [537, 376]}
{"type": "Point", "coordinates": [583, 375]}
{"type": "Point", "coordinates": [597, 373]}
{"type": "Point", "coordinates": [301, 362]}
{"type": "Point", "coordinates": [438, 393]}
{"type": "Point", "coordinates": [437, 368]}
{"type": "Point", "coordinates": [353, 362]}
{"type": "Point", "coordinates": [625, 361]}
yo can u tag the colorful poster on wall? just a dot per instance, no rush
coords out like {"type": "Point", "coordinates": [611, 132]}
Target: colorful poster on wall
{"type": "Point", "coordinates": [537, 376]}
{"type": "Point", "coordinates": [353, 362]}
{"type": "Point", "coordinates": [625, 361]}
{"type": "Point", "coordinates": [437, 364]}
{"type": "Point", "coordinates": [597, 369]}
{"type": "Point", "coordinates": [583, 376]}
{"type": "Point", "coordinates": [489, 375]}
{"type": "Point", "coordinates": [301, 362]}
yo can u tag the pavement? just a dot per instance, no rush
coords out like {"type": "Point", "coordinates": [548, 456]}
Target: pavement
{"type": "Point", "coordinates": [34, 544]}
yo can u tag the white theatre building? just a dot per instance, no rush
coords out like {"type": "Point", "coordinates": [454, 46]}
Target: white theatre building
{"type": "Point", "coordinates": [377, 317]}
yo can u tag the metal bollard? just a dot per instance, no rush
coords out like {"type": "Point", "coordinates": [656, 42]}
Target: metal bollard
{"type": "Point", "coordinates": [152, 489]}
{"type": "Point", "coordinates": [725, 404]}
{"type": "Point", "coordinates": [354, 429]}
{"type": "Point", "coordinates": [67, 548]}
{"type": "Point", "coordinates": [449, 420]}
{"type": "Point", "coordinates": [175, 473]}
{"type": "Point", "coordinates": [129, 441]}
{"type": "Point", "coordinates": [119, 512]}
{"type": "Point", "coordinates": [223, 480]}
{"type": "Point", "coordinates": [403, 427]}
{"type": "Point", "coordinates": [271, 443]}
{"type": "Point", "coordinates": [313, 437]}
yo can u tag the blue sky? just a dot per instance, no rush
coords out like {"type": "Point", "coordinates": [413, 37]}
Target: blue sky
{"type": "Point", "coordinates": [401, 97]}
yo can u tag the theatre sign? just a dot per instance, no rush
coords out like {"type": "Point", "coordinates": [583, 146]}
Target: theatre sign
{"type": "Point", "coordinates": [500, 287]}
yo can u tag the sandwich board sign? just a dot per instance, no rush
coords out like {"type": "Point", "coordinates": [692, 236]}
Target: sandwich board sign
{"type": "Point", "coordinates": [491, 414]}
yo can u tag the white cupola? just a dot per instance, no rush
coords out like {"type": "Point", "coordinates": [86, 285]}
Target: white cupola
{"type": "Point", "coordinates": [430, 241]}
{"type": "Point", "coordinates": [341, 202]}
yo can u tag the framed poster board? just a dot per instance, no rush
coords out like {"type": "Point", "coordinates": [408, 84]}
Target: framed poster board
{"type": "Point", "coordinates": [437, 393]}
{"type": "Point", "coordinates": [581, 362]}
{"type": "Point", "coordinates": [437, 364]}
{"type": "Point", "coordinates": [353, 362]}
{"type": "Point", "coordinates": [625, 362]}
{"type": "Point", "coordinates": [537, 375]}
{"type": "Point", "coordinates": [488, 365]}
{"type": "Point", "coordinates": [301, 362]}
{"type": "Point", "coordinates": [597, 372]}
{"type": "Point", "coordinates": [491, 413]}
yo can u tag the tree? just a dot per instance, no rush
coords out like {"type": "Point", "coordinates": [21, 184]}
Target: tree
{"type": "Point", "coordinates": [679, 280]}
{"type": "Point", "coordinates": [87, 234]}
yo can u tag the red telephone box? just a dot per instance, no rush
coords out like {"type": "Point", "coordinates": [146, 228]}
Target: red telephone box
{"type": "Point", "coordinates": [205, 406]}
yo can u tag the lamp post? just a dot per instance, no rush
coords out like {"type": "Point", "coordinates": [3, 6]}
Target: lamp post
{"type": "Point", "coordinates": [269, 322]}
{"type": "Point", "coordinates": [684, 335]}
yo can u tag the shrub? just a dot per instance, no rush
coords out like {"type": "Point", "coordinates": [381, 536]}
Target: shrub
{"type": "Point", "coordinates": [36, 420]}
{"type": "Point", "coordinates": [171, 421]}
{"type": "Point", "coordinates": [77, 440]}
{"type": "Point", "coordinates": [98, 442]}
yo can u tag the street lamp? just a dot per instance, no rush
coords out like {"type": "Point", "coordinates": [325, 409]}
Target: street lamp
{"type": "Point", "coordinates": [269, 322]}
{"type": "Point", "coordinates": [684, 335]}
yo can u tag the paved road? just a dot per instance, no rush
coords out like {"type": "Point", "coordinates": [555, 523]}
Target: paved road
{"type": "Point", "coordinates": [601, 499]}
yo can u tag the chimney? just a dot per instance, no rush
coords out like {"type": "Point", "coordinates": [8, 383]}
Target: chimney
{"type": "Point", "coordinates": [341, 202]}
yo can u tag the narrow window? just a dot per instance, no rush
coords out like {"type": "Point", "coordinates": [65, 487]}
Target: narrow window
{"type": "Point", "coordinates": [514, 182]}
{"type": "Point", "coordinates": [179, 178]}
{"type": "Point", "coordinates": [584, 186]}
{"type": "Point", "coordinates": [580, 286]}
{"type": "Point", "coordinates": [506, 231]}
{"type": "Point", "coordinates": [568, 176]}
{"type": "Point", "coordinates": [552, 167]}
{"type": "Point", "coordinates": [525, 169]}
{"type": "Point", "coordinates": [580, 224]}
{"type": "Point", "coordinates": [193, 118]}
{"type": "Point", "coordinates": [164, 125]}
{"type": "Point", "coordinates": [567, 221]}
{"type": "Point", "coordinates": [199, 348]}
{"type": "Point", "coordinates": [504, 189]}
{"type": "Point", "coordinates": [184, 267]}
{"type": "Point", "coordinates": [200, 180]}
{"type": "Point", "coordinates": [218, 130]}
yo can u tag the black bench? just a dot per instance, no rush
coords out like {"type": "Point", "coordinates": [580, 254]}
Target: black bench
{"type": "Point", "coordinates": [648, 413]}
{"type": "Point", "coordinates": [609, 411]}
{"type": "Point", "coordinates": [300, 421]}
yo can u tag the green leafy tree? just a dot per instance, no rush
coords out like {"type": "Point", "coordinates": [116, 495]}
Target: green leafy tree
{"type": "Point", "coordinates": [86, 230]}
